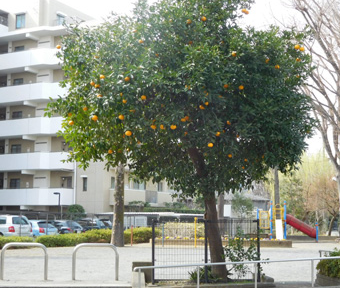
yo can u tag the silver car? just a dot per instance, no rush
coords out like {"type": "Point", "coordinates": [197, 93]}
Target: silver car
{"type": "Point", "coordinates": [15, 225]}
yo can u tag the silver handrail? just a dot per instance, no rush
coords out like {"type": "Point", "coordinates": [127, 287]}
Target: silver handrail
{"type": "Point", "coordinates": [94, 245]}
{"type": "Point", "coordinates": [197, 265]}
{"type": "Point", "coordinates": [23, 244]}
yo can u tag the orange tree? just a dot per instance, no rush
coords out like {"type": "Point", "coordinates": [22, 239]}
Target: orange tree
{"type": "Point", "coordinates": [179, 91]}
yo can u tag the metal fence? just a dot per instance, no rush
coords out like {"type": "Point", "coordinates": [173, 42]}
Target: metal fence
{"type": "Point", "coordinates": [176, 243]}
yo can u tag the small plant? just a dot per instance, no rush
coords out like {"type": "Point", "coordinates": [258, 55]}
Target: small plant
{"type": "Point", "coordinates": [330, 267]}
{"type": "Point", "coordinates": [211, 277]}
{"type": "Point", "coordinates": [236, 251]}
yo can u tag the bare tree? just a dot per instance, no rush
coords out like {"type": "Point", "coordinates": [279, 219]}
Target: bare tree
{"type": "Point", "coordinates": [323, 18]}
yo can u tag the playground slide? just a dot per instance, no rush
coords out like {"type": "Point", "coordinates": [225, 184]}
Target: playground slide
{"type": "Point", "coordinates": [303, 227]}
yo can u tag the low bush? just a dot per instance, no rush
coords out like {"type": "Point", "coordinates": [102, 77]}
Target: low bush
{"type": "Point", "coordinates": [5, 240]}
{"type": "Point", "coordinates": [140, 235]}
{"type": "Point", "coordinates": [330, 267]}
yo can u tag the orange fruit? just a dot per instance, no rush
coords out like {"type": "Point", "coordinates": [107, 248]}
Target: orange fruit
{"type": "Point", "coordinates": [277, 66]}
{"type": "Point", "coordinates": [190, 42]}
{"type": "Point", "coordinates": [228, 122]}
{"type": "Point", "coordinates": [298, 60]}
{"type": "Point", "coordinates": [187, 118]}
{"type": "Point", "coordinates": [140, 41]}
{"type": "Point", "coordinates": [173, 127]}
{"type": "Point", "coordinates": [183, 120]}
{"type": "Point", "coordinates": [94, 118]}
{"type": "Point", "coordinates": [243, 167]}
{"type": "Point", "coordinates": [225, 86]}
{"type": "Point", "coordinates": [210, 145]}
{"type": "Point", "coordinates": [153, 126]}
{"type": "Point", "coordinates": [58, 46]}
{"type": "Point", "coordinates": [127, 79]}
{"type": "Point", "coordinates": [69, 114]}
{"type": "Point", "coordinates": [162, 127]}
{"type": "Point", "coordinates": [230, 156]}
{"type": "Point", "coordinates": [206, 103]}
{"type": "Point", "coordinates": [96, 85]}
{"type": "Point", "coordinates": [92, 83]}
{"type": "Point", "coordinates": [234, 54]}
{"type": "Point", "coordinates": [132, 110]}
{"type": "Point", "coordinates": [245, 11]}
{"type": "Point", "coordinates": [203, 18]}
{"type": "Point", "coordinates": [70, 122]}
{"type": "Point", "coordinates": [245, 160]}
{"type": "Point", "coordinates": [110, 151]}
{"type": "Point", "coordinates": [156, 54]}
{"type": "Point", "coordinates": [121, 94]}
{"type": "Point", "coordinates": [189, 21]}
{"type": "Point", "coordinates": [302, 49]}
{"type": "Point", "coordinates": [85, 109]}
{"type": "Point", "coordinates": [267, 60]}
{"type": "Point", "coordinates": [124, 101]}
{"type": "Point", "coordinates": [185, 133]}
{"type": "Point", "coordinates": [128, 133]}
{"type": "Point", "coordinates": [202, 107]}
{"type": "Point", "coordinates": [102, 76]}
{"type": "Point", "coordinates": [218, 134]}
{"type": "Point", "coordinates": [99, 95]}
{"type": "Point", "coordinates": [143, 97]}
{"type": "Point", "coordinates": [241, 87]}
{"type": "Point", "coordinates": [297, 47]}
{"type": "Point", "coordinates": [121, 117]}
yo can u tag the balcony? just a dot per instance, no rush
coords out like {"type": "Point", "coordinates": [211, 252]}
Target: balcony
{"type": "Point", "coordinates": [35, 161]}
{"type": "Point", "coordinates": [30, 126]}
{"type": "Point", "coordinates": [36, 197]}
{"type": "Point", "coordinates": [17, 95]}
{"type": "Point", "coordinates": [30, 60]}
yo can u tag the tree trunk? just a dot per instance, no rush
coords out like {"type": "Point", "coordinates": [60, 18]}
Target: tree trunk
{"type": "Point", "coordinates": [331, 226]}
{"type": "Point", "coordinates": [214, 238]}
{"type": "Point", "coordinates": [220, 210]}
{"type": "Point", "coordinates": [117, 237]}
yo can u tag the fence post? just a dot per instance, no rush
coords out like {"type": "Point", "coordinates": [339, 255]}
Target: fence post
{"type": "Point", "coordinates": [195, 227]}
{"type": "Point", "coordinates": [131, 235]}
{"type": "Point", "coordinates": [206, 251]}
{"type": "Point", "coordinates": [153, 252]}
{"type": "Point", "coordinates": [258, 250]}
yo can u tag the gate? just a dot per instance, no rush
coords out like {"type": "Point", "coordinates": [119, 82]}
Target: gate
{"type": "Point", "coordinates": [175, 243]}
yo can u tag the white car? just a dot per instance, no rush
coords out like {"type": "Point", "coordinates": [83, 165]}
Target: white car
{"type": "Point", "coordinates": [15, 225]}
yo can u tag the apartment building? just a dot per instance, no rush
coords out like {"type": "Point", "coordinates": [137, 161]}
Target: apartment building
{"type": "Point", "coordinates": [32, 174]}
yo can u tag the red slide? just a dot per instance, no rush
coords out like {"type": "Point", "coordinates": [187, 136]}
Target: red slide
{"type": "Point", "coordinates": [302, 226]}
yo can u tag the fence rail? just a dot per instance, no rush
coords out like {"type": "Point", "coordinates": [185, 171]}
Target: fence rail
{"type": "Point", "coordinates": [255, 263]}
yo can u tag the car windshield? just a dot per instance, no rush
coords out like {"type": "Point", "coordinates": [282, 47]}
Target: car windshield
{"type": "Point", "coordinates": [43, 225]}
{"type": "Point", "coordinates": [19, 220]}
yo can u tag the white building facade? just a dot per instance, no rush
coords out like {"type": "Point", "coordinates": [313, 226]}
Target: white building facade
{"type": "Point", "coordinates": [32, 174]}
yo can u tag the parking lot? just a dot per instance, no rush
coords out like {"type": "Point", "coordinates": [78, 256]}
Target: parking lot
{"type": "Point", "coordinates": [96, 265]}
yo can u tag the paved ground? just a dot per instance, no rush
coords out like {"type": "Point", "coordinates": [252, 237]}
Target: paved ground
{"type": "Point", "coordinates": [95, 266]}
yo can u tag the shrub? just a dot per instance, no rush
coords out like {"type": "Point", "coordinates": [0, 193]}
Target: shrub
{"type": "Point", "coordinates": [64, 240]}
{"type": "Point", "coordinates": [140, 235]}
{"type": "Point", "coordinates": [5, 240]}
{"type": "Point", "coordinates": [330, 267]}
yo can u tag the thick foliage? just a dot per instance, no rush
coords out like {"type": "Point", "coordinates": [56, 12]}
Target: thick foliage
{"type": "Point", "coordinates": [330, 268]}
{"type": "Point", "coordinates": [5, 240]}
{"type": "Point", "coordinates": [186, 95]}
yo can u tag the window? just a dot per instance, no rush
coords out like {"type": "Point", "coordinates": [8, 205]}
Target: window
{"type": "Point", "coordinates": [84, 184]}
{"type": "Point", "coordinates": [14, 183]}
{"type": "Point", "coordinates": [139, 185]}
{"type": "Point", "coordinates": [17, 115]}
{"type": "Point", "coordinates": [18, 81]}
{"type": "Point", "coordinates": [113, 182]}
{"type": "Point", "coordinates": [2, 149]}
{"type": "Point", "coordinates": [67, 181]}
{"type": "Point", "coordinates": [20, 21]}
{"type": "Point", "coordinates": [60, 19]}
{"type": "Point", "coordinates": [160, 186]}
{"type": "Point", "coordinates": [16, 148]}
{"type": "Point", "coordinates": [19, 48]}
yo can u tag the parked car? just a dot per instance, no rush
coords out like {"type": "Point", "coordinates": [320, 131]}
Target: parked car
{"type": "Point", "coordinates": [67, 226]}
{"type": "Point", "coordinates": [40, 227]}
{"type": "Point", "coordinates": [92, 223]}
{"type": "Point", "coordinates": [15, 225]}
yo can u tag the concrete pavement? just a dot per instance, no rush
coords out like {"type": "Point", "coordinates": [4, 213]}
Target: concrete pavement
{"type": "Point", "coordinates": [95, 266]}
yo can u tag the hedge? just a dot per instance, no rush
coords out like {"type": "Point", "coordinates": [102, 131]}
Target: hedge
{"type": "Point", "coordinates": [330, 267]}
{"type": "Point", "coordinates": [5, 240]}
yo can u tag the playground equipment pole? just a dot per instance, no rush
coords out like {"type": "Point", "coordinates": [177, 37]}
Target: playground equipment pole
{"type": "Point", "coordinates": [285, 220]}
{"type": "Point", "coordinates": [271, 221]}
{"type": "Point", "coordinates": [317, 232]}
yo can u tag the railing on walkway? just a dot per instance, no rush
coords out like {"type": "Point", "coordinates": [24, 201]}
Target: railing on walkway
{"type": "Point", "coordinates": [198, 265]}
{"type": "Point", "coordinates": [23, 244]}
{"type": "Point", "coordinates": [94, 245]}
